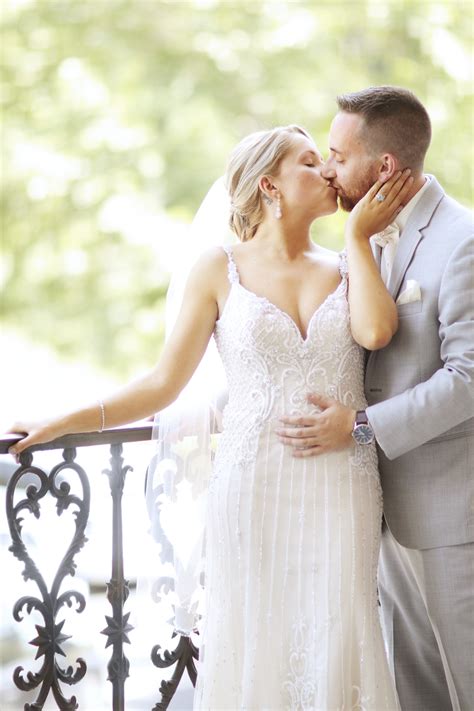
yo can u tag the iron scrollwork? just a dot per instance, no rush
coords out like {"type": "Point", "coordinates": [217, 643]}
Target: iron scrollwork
{"type": "Point", "coordinates": [50, 637]}
{"type": "Point", "coordinates": [183, 656]}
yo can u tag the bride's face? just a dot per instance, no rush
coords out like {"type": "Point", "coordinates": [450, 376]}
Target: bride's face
{"type": "Point", "coordinates": [302, 186]}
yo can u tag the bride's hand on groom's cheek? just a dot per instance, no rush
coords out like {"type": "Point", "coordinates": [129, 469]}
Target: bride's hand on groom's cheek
{"type": "Point", "coordinates": [380, 206]}
{"type": "Point", "coordinates": [328, 431]}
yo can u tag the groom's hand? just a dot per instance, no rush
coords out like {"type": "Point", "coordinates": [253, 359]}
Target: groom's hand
{"type": "Point", "coordinates": [328, 431]}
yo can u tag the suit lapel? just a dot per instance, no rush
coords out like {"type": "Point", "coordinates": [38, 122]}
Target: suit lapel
{"type": "Point", "coordinates": [413, 233]}
{"type": "Point", "coordinates": [408, 243]}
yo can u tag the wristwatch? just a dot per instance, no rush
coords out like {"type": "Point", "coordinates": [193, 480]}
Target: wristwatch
{"type": "Point", "coordinates": [362, 432]}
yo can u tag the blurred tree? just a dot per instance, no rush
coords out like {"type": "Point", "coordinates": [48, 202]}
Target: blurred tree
{"type": "Point", "coordinates": [121, 111]}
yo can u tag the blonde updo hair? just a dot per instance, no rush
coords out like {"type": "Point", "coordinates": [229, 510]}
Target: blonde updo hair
{"type": "Point", "coordinates": [258, 154]}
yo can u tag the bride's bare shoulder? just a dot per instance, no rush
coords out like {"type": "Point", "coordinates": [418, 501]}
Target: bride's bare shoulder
{"type": "Point", "coordinates": [213, 259]}
{"type": "Point", "coordinates": [211, 266]}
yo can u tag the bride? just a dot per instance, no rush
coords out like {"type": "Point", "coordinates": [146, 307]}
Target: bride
{"type": "Point", "coordinates": [291, 543]}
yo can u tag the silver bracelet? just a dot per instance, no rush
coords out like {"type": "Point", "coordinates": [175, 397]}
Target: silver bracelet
{"type": "Point", "coordinates": [102, 416]}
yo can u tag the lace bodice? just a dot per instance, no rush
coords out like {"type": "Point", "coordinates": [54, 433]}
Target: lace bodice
{"type": "Point", "coordinates": [271, 367]}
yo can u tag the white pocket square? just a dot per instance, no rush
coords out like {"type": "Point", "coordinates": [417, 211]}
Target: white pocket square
{"type": "Point", "coordinates": [412, 292]}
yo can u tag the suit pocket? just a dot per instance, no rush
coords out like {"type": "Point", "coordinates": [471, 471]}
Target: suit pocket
{"type": "Point", "coordinates": [414, 307]}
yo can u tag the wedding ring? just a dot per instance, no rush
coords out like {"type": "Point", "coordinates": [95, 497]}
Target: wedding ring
{"type": "Point", "coordinates": [380, 197]}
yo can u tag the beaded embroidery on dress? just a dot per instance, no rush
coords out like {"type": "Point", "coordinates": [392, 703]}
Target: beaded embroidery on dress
{"type": "Point", "coordinates": [291, 618]}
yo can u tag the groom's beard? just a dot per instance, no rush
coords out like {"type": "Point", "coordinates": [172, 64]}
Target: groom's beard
{"type": "Point", "coordinates": [349, 197]}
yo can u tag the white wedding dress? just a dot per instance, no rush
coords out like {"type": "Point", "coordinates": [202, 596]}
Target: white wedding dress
{"type": "Point", "coordinates": [291, 618]}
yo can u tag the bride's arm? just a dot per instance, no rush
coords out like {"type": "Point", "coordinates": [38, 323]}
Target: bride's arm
{"type": "Point", "coordinates": [160, 386]}
{"type": "Point", "coordinates": [374, 318]}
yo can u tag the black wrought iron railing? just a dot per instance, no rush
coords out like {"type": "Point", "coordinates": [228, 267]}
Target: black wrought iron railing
{"type": "Point", "coordinates": [52, 678]}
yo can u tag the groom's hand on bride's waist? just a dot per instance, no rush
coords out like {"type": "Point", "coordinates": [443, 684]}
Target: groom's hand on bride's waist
{"type": "Point", "coordinates": [327, 431]}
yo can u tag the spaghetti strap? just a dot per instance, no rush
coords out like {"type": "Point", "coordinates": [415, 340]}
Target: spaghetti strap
{"type": "Point", "coordinates": [343, 265]}
{"type": "Point", "coordinates": [231, 266]}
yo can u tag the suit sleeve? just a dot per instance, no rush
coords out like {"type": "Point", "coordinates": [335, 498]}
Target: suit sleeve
{"type": "Point", "coordinates": [446, 399]}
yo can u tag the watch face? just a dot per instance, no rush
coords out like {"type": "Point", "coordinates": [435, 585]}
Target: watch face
{"type": "Point", "coordinates": [363, 434]}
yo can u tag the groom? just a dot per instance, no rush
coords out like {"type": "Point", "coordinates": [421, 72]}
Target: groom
{"type": "Point", "coordinates": [420, 390]}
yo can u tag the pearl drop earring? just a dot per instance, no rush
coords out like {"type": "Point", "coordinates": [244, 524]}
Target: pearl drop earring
{"type": "Point", "coordinates": [278, 213]}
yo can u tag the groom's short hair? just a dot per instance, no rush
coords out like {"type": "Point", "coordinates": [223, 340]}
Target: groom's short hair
{"type": "Point", "coordinates": [395, 121]}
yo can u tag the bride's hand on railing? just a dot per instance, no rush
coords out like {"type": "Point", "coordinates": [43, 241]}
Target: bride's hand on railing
{"type": "Point", "coordinates": [380, 206]}
{"type": "Point", "coordinates": [35, 432]}
{"type": "Point", "coordinates": [87, 419]}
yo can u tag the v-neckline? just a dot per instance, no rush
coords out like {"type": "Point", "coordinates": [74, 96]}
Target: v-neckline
{"type": "Point", "coordinates": [234, 278]}
{"type": "Point", "coordinates": [285, 314]}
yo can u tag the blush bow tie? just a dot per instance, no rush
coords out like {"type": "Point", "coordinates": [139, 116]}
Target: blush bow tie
{"type": "Point", "coordinates": [388, 240]}
{"type": "Point", "coordinates": [390, 235]}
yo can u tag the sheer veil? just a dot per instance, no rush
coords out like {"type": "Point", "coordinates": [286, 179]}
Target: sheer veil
{"type": "Point", "coordinates": [185, 433]}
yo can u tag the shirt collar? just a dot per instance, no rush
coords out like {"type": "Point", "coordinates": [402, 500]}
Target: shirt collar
{"type": "Point", "coordinates": [402, 217]}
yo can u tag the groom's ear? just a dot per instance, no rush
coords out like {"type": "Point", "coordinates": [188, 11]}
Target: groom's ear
{"type": "Point", "coordinates": [388, 166]}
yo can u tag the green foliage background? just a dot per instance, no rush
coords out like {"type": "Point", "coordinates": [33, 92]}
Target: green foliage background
{"type": "Point", "coordinates": [144, 99]}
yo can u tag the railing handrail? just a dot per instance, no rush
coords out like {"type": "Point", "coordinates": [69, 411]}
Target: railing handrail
{"type": "Point", "coordinates": [135, 432]}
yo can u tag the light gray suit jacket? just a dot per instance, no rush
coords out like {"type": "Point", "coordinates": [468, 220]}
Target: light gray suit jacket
{"type": "Point", "coordinates": [420, 388]}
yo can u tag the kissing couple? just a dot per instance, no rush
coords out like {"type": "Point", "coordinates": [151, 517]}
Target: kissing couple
{"type": "Point", "coordinates": [342, 475]}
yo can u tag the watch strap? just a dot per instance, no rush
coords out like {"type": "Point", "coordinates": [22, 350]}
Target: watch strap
{"type": "Point", "coordinates": [361, 418]}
